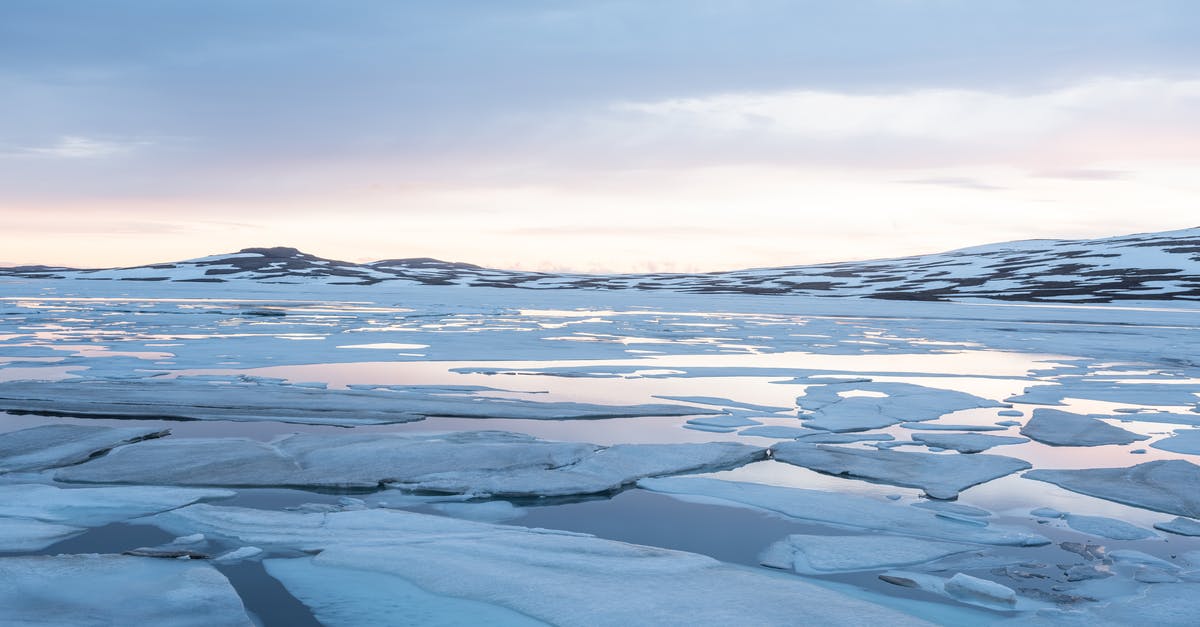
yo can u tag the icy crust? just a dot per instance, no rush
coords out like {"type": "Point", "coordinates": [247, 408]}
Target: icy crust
{"type": "Point", "coordinates": [253, 400]}
{"type": "Point", "coordinates": [1060, 428]}
{"type": "Point", "coordinates": [34, 516]}
{"type": "Point", "coordinates": [98, 590]}
{"type": "Point", "coordinates": [848, 511]}
{"type": "Point", "coordinates": [513, 575]}
{"type": "Point", "coordinates": [823, 555]}
{"type": "Point", "coordinates": [1164, 485]}
{"type": "Point", "coordinates": [51, 446]}
{"type": "Point", "coordinates": [889, 404]}
{"type": "Point", "coordinates": [940, 476]}
{"type": "Point", "coordinates": [494, 463]}
{"type": "Point", "coordinates": [966, 442]}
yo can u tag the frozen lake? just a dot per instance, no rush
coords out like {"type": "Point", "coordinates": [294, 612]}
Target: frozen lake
{"type": "Point", "coordinates": [853, 459]}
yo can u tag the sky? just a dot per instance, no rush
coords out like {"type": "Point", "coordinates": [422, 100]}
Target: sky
{"type": "Point", "coordinates": [632, 135]}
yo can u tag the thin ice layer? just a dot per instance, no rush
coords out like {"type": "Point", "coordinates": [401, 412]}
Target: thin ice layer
{"type": "Point", "coordinates": [555, 577]}
{"type": "Point", "coordinates": [116, 590]}
{"type": "Point", "coordinates": [1163, 485]}
{"type": "Point", "coordinates": [822, 555]}
{"type": "Point", "coordinates": [850, 511]}
{"type": "Point", "coordinates": [51, 446]}
{"type": "Point", "coordinates": [940, 476]}
{"type": "Point", "coordinates": [476, 462]}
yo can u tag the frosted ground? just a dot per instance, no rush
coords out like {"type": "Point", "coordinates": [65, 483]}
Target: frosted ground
{"type": "Point", "coordinates": [235, 453]}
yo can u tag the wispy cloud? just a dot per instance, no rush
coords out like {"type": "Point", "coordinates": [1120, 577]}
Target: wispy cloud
{"type": "Point", "coordinates": [80, 147]}
{"type": "Point", "coordinates": [1084, 174]}
{"type": "Point", "coordinates": [960, 182]}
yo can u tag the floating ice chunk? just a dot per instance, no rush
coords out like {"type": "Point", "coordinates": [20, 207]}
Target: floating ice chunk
{"type": "Point", "coordinates": [22, 534]}
{"type": "Point", "coordinates": [1059, 428]}
{"type": "Point", "coordinates": [487, 511]}
{"type": "Point", "coordinates": [255, 400]}
{"type": "Point", "coordinates": [709, 428]}
{"type": "Point", "coordinates": [1186, 442]}
{"type": "Point", "coordinates": [844, 510]}
{"type": "Point", "coordinates": [901, 402]}
{"type": "Point", "coordinates": [961, 587]}
{"type": "Point", "coordinates": [776, 432]}
{"type": "Point", "coordinates": [1107, 527]}
{"type": "Point", "coordinates": [821, 555]}
{"type": "Point", "coordinates": [92, 507]}
{"type": "Point", "coordinates": [1131, 393]}
{"type": "Point", "coordinates": [937, 426]}
{"type": "Point", "coordinates": [1010, 413]}
{"type": "Point", "coordinates": [1138, 558]}
{"type": "Point", "coordinates": [374, 598]}
{"type": "Point", "coordinates": [980, 591]}
{"type": "Point", "coordinates": [1007, 423]}
{"type": "Point", "coordinates": [845, 438]}
{"type": "Point", "coordinates": [51, 446]}
{"type": "Point", "coordinates": [940, 476]}
{"type": "Point", "coordinates": [1164, 485]}
{"type": "Point", "coordinates": [1047, 512]}
{"type": "Point", "coordinates": [957, 509]}
{"type": "Point", "coordinates": [238, 555]}
{"type": "Point", "coordinates": [116, 590]}
{"type": "Point", "coordinates": [727, 421]}
{"type": "Point", "coordinates": [966, 442]}
{"type": "Point", "coordinates": [551, 576]}
{"type": "Point", "coordinates": [1180, 526]}
{"type": "Point", "coordinates": [726, 403]}
{"type": "Point", "coordinates": [474, 462]}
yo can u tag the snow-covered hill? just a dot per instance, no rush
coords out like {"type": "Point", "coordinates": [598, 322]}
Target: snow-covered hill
{"type": "Point", "coordinates": [1152, 266]}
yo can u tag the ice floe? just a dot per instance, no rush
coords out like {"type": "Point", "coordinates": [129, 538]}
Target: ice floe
{"type": "Point", "coordinates": [1060, 428]}
{"type": "Point", "coordinates": [116, 590]}
{"type": "Point", "coordinates": [472, 462]}
{"type": "Point", "coordinates": [51, 446]}
{"type": "Point", "coordinates": [940, 476]}
{"type": "Point", "coordinates": [966, 442]}
{"type": "Point", "coordinates": [1107, 527]}
{"type": "Point", "coordinates": [255, 400]}
{"type": "Point", "coordinates": [509, 575]}
{"type": "Point", "coordinates": [1180, 526]}
{"type": "Point", "coordinates": [834, 408]}
{"type": "Point", "coordinates": [822, 555]}
{"type": "Point", "coordinates": [849, 511]}
{"type": "Point", "coordinates": [1163, 485]}
{"type": "Point", "coordinates": [1187, 442]}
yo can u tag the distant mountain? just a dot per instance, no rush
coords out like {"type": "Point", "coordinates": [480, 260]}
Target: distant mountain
{"type": "Point", "coordinates": [1150, 266]}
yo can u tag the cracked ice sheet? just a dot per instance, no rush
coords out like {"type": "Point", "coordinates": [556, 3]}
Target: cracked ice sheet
{"type": "Point", "coordinates": [901, 402]}
{"type": "Point", "coordinates": [34, 516]}
{"type": "Point", "coordinates": [940, 476]}
{"type": "Point", "coordinates": [823, 555]}
{"type": "Point", "coordinates": [474, 462]}
{"type": "Point", "coordinates": [511, 573]}
{"type": "Point", "coordinates": [51, 446]}
{"type": "Point", "coordinates": [116, 590]}
{"type": "Point", "coordinates": [195, 398]}
{"type": "Point", "coordinates": [1164, 485]}
{"type": "Point", "coordinates": [1060, 428]}
{"type": "Point", "coordinates": [839, 509]}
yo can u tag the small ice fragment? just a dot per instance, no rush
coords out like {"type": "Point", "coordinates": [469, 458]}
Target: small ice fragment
{"type": "Point", "coordinates": [981, 591]}
{"type": "Point", "coordinates": [237, 555]}
{"type": "Point", "coordinates": [1047, 512]}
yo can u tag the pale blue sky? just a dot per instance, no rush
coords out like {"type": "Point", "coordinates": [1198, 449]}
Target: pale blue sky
{"type": "Point", "coordinates": [590, 135]}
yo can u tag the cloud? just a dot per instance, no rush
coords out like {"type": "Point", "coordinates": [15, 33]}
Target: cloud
{"type": "Point", "coordinates": [961, 182]}
{"type": "Point", "coordinates": [1085, 174]}
{"type": "Point", "coordinates": [79, 147]}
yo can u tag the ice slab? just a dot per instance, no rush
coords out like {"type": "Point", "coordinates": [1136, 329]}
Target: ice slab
{"type": "Point", "coordinates": [474, 462]}
{"type": "Point", "coordinates": [961, 587]}
{"type": "Point", "coordinates": [1107, 527]}
{"type": "Point", "coordinates": [1186, 442]}
{"type": "Point", "coordinates": [849, 511]}
{"type": "Point", "coordinates": [725, 403]}
{"type": "Point", "coordinates": [34, 516]}
{"type": "Point", "coordinates": [937, 426]}
{"type": "Point", "coordinates": [777, 432]}
{"type": "Point", "coordinates": [116, 590]}
{"type": "Point", "coordinates": [940, 476]}
{"type": "Point", "coordinates": [966, 442]}
{"type": "Point", "coordinates": [728, 421]}
{"type": "Point", "coordinates": [823, 555]}
{"type": "Point", "coordinates": [1060, 428]}
{"type": "Point", "coordinates": [1180, 526]}
{"type": "Point", "coordinates": [510, 573]}
{"type": "Point", "coordinates": [1163, 485]}
{"type": "Point", "coordinates": [252, 399]}
{"type": "Point", "coordinates": [845, 438]}
{"type": "Point", "coordinates": [51, 446]}
{"type": "Point", "coordinates": [835, 408]}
